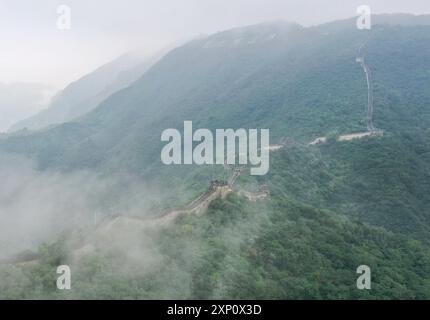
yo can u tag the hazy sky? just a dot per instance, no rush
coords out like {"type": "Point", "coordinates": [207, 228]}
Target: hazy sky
{"type": "Point", "coordinates": [32, 49]}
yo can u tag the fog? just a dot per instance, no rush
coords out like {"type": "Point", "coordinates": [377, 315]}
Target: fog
{"type": "Point", "coordinates": [20, 100]}
{"type": "Point", "coordinates": [109, 227]}
{"type": "Point", "coordinates": [35, 206]}
{"type": "Point", "coordinates": [34, 49]}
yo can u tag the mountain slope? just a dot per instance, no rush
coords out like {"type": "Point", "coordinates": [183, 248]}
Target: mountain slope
{"type": "Point", "coordinates": [299, 82]}
{"type": "Point", "coordinates": [332, 208]}
{"type": "Point", "coordinates": [85, 94]}
{"type": "Point", "coordinates": [237, 250]}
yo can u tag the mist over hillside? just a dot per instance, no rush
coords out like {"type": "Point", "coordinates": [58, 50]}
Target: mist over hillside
{"type": "Point", "coordinates": [93, 193]}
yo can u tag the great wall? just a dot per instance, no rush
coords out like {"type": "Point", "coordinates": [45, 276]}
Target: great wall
{"type": "Point", "coordinates": [217, 188]}
{"type": "Point", "coordinates": [371, 131]}
{"type": "Point", "coordinates": [114, 226]}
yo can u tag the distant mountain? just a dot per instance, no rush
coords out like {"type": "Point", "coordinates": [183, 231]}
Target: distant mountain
{"type": "Point", "coordinates": [85, 94]}
{"type": "Point", "coordinates": [21, 100]}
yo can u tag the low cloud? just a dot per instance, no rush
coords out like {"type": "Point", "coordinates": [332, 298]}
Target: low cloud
{"type": "Point", "coordinates": [36, 206]}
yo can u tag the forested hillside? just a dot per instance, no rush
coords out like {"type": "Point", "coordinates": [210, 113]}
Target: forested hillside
{"type": "Point", "coordinates": [333, 206]}
{"type": "Point", "coordinates": [237, 250]}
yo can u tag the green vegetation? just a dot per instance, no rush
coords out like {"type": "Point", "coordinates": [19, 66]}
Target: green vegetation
{"type": "Point", "coordinates": [333, 207]}
{"type": "Point", "coordinates": [273, 250]}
